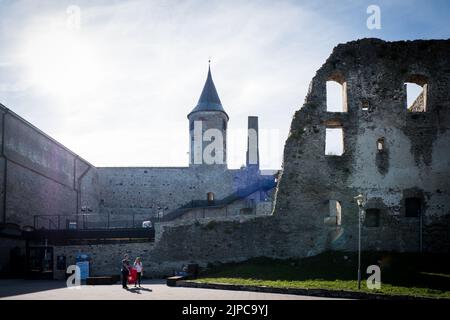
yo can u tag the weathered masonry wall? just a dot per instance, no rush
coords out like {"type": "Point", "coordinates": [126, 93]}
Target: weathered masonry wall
{"type": "Point", "coordinates": [414, 161]}
{"type": "Point", "coordinates": [105, 259]}
{"type": "Point", "coordinates": [154, 190]}
{"type": "Point", "coordinates": [39, 176]}
{"type": "Point", "coordinates": [150, 191]}
{"type": "Point", "coordinates": [239, 208]}
{"type": "Point", "coordinates": [208, 242]}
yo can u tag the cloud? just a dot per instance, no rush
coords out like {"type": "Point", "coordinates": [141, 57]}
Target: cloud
{"type": "Point", "coordinates": [118, 89]}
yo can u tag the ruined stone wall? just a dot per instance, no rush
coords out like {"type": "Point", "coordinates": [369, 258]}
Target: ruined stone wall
{"type": "Point", "coordinates": [413, 163]}
{"type": "Point", "coordinates": [204, 241]}
{"type": "Point", "coordinates": [106, 258]}
{"type": "Point", "coordinates": [236, 240]}
{"type": "Point", "coordinates": [39, 176]}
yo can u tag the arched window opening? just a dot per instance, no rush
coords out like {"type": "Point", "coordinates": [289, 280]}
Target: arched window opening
{"type": "Point", "coordinates": [380, 144]}
{"type": "Point", "coordinates": [416, 88]}
{"type": "Point", "coordinates": [336, 96]}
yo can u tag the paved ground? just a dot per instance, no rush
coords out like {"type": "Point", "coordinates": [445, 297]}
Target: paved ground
{"type": "Point", "coordinates": [152, 290]}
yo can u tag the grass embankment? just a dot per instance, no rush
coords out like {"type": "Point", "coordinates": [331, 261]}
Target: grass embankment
{"type": "Point", "coordinates": [410, 274]}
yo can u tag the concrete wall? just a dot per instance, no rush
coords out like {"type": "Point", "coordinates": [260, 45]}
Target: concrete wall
{"type": "Point", "coordinates": [38, 176]}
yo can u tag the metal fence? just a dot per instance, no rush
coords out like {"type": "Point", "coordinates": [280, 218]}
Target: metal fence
{"type": "Point", "coordinates": [92, 221]}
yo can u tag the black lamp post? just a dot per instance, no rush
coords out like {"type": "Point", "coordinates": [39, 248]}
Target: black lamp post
{"type": "Point", "coordinates": [361, 201]}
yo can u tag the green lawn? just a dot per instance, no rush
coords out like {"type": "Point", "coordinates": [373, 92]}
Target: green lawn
{"type": "Point", "coordinates": [423, 275]}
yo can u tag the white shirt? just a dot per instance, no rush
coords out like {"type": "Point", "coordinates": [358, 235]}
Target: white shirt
{"type": "Point", "coordinates": [138, 266]}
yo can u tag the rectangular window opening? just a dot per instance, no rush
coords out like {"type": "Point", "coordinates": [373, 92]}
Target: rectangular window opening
{"type": "Point", "coordinates": [334, 142]}
{"type": "Point", "coordinates": [416, 97]}
{"type": "Point", "coordinates": [336, 96]}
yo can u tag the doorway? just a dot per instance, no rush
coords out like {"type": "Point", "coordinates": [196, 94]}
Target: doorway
{"type": "Point", "coordinates": [40, 262]}
{"type": "Point", "coordinates": [413, 207]}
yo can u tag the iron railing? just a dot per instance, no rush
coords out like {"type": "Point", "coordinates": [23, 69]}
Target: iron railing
{"type": "Point", "coordinates": [262, 185]}
{"type": "Point", "coordinates": [85, 221]}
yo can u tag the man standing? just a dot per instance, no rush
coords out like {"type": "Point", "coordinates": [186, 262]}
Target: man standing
{"type": "Point", "coordinates": [125, 271]}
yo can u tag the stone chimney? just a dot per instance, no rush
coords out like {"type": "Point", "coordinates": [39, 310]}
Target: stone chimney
{"type": "Point", "coordinates": [252, 143]}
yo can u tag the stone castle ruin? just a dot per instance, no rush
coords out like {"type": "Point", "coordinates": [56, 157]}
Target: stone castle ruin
{"type": "Point", "coordinates": [395, 154]}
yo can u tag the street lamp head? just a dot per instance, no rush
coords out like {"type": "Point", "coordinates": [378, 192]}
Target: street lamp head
{"type": "Point", "coordinates": [360, 200]}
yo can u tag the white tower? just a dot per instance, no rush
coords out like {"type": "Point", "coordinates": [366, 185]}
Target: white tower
{"type": "Point", "coordinates": [208, 128]}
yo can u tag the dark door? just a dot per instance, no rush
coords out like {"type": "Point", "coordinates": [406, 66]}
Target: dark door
{"type": "Point", "coordinates": [40, 263]}
{"type": "Point", "coordinates": [17, 263]}
{"type": "Point", "coordinates": [413, 207]}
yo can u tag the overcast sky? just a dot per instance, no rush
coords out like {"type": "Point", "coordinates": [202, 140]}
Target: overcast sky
{"type": "Point", "coordinates": [116, 89]}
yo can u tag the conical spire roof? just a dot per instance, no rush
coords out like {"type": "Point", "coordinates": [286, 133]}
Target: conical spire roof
{"type": "Point", "coordinates": [209, 99]}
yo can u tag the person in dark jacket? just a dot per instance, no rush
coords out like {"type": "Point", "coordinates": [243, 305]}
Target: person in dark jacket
{"type": "Point", "coordinates": [125, 271]}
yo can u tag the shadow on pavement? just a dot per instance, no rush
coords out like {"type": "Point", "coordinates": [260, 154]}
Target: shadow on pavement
{"type": "Point", "coordinates": [138, 290]}
{"type": "Point", "coordinates": [14, 287]}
